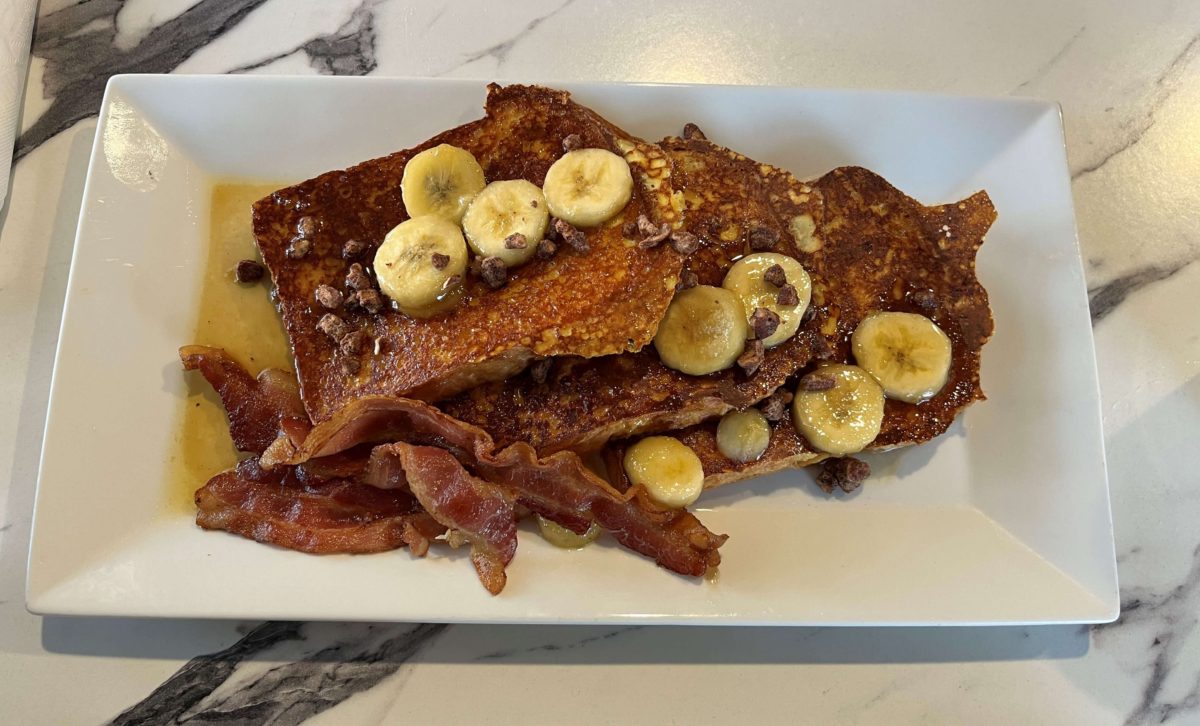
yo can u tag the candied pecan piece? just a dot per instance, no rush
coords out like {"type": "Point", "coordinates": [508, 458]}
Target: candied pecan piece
{"type": "Point", "coordinates": [494, 272]}
{"type": "Point", "coordinates": [572, 236]}
{"type": "Point", "coordinates": [751, 358]}
{"type": "Point", "coordinates": [763, 238]}
{"type": "Point", "coordinates": [248, 271]}
{"type": "Point", "coordinates": [685, 243]}
{"type": "Point", "coordinates": [353, 248]}
{"type": "Point", "coordinates": [764, 323]}
{"type": "Point", "coordinates": [357, 278]}
{"type": "Point", "coordinates": [329, 297]}
{"type": "Point", "coordinates": [687, 279]}
{"type": "Point", "coordinates": [775, 276]}
{"type": "Point", "coordinates": [370, 300]}
{"type": "Point", "coordinates": [788, 295]}
{"type": "Point", "coordinates": [298, 248]}
{"type": "Point", "coordinates": [846, 473]}
{"type": "Point", "coordinates": [333, 326]}
{"type": "Point", "coordinates": [545, 249]}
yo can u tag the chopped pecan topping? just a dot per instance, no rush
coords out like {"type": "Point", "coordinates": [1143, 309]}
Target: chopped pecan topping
{"type": "Point", "coordinates": [775, 276]}
{"type": "Point", "coordinates": [774, 408]}
{"type": "Point", "coordinates": [353, 248]}
{"type": "Point", "coordinates": [567, 232]}
{"type": "Point", "coordinates": [306, 226]}
{"type": "Point", "coordinates": [810, 312]}
{"type": "Point", "coordinates": [370, 300]}
{"type": "Point", "coordinates": [924, 299]}
{"type": "Point", "coordinates": [846, 474]}
{"type": "Point", "coordinates": [545, 249]}
{"type": "Point", "coordinates": [298, 248]}
{"type": "Point", "coordinates": [329, 297]}
{"type": "Point", "coordinates": [687, 279]}
{"type": "Point", "coordinates": [692, 131]}
{"type": "Point", "coordinates": [787, 295]}
{"type": "Point", "coordinates": [494, 272]}
{"type": "Point", "coordinates": [540, 370]}
{"type": "Point", "coordinates": [572, 142]}
{"type": "Point", "coordinates": [357, 278]}
{"type": "Point", "coordinates": [350, 365]}
{"type": "Point", "coordinates": [822, 350]}
{"type": "Point", "coordinates": [515, 241]}
{"type": "Point", "coordinates": [630, 229]}
{"type": "Point", "coordinates": [751, 359]}
{"type": "Point", "coordinates": [333, 326]}
{"type": "Point", "coordinates": [651, 233]}
{"type": "Point", "coordinates": [685, 243]}
{"type": "Point", "coordinates": [764, 323]}
{"type": "Point", "coordinates": [763, 238]}
{"type": "Point", "coordinates": [439, 260]}
{"type": "Point", "coordinates": [352, 343]}
{"type": "Point", "coordinates": [817, 381]}
{"type": "Point", "coordinates": [248, 271]}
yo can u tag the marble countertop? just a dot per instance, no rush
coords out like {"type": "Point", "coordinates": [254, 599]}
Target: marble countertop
{"type": "Point", "coordinates": [1128, 78]}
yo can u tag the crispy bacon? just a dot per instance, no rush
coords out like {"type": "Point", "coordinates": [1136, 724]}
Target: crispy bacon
{"type": "Point", "coordinates": [481, 512]}
{"type": "Point", "coordinates": [561, 488]}
{"type": "Point", "coordinates": [261, 409]}
{"type": "Point", "coordinates": [290, 509]}
{"type": "Point", "coordinates": [558, 487]}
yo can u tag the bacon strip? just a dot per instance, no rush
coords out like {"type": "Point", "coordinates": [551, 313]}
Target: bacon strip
{"type": "Point", "coordinates": [483, 513]}
{"type": "Point", "coordinates": [558, 487]}
{"type": "Point", "coordinates": [259, 409]}
{"type": "Point", "coordinates": [317, 516]}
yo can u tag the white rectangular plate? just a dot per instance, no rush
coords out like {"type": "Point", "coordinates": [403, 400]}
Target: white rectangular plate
{"type": "Point", "coordinates": [1005, 519]}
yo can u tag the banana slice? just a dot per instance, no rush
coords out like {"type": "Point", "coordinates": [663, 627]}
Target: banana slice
{"type": "Point", "coordinates": [908, 353]}
{"type": "Point", "coordinates": [743, 435]}
{"type": "Point", "coordinates": [502, 209]}
{"type": "Point", "coordinates": [666, 469]}
{"type": "Point", "coordinates": [560, 536]}
{"type": "Point", "coordinates": [587, 187]}
{"type": "Point", "coordinates": [442, 181]}
{"type": "Point", "coordinates": [704, 330]}
{"type": "Point", "coordinates": [844, 418]}
{"type": "Point", "coordinates": [421, 264]}
{"type": "Point", "coordinates": [746, 279]}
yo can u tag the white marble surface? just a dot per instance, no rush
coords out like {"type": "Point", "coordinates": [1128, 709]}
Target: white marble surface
{"type": "Point", "coordinates": [1128, 77]}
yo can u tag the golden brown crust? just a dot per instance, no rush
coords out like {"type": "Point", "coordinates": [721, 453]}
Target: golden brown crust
{"type": "Point", "coordinates": [601, 302]}
{"type": "Point", "coordinates": [883, 250]}
{"type": "Point", "coordinates": [584, 403]}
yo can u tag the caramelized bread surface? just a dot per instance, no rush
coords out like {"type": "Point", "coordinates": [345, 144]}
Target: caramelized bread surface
{"type": "Point", "coordinates": [728, 198]}
{"type": "Point", "coordinates": [603, 301]}
{"type": "Point", "coordinates": [882, 250]}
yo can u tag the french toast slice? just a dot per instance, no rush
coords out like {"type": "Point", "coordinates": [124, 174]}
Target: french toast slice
{"type": "Point", "coordinates": [882, 250]}
{"type": "Point", "coordinates": [606, 300]}
{"type": "Point", "coordinates": [582, 404]}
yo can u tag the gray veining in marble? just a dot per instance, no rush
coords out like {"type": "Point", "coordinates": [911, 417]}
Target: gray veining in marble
{"type": "Point", "coordinates": [500, 51]}
{"type": "Point", "coordinates": [349, 51]}
{"type": "Point", "coordinates": [1171, 617]}
{"type": "Point", "coordinates": [1164, 86]}
{"type": "Point", "coordinates": [286, 694]}
{"type": "Point", "coordinates": [1105, 298]}
{"type": "Point", "coordinates": [77, 43]}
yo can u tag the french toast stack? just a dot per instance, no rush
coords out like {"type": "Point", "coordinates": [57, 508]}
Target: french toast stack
{"type": "Point", "coordinates": [474, 317]}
